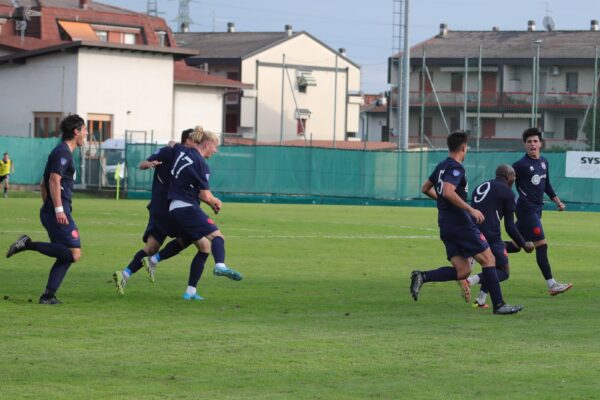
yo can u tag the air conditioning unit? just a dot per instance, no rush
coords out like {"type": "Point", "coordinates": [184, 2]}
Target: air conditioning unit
{"type": "Point", "coordinates": [554, 70]}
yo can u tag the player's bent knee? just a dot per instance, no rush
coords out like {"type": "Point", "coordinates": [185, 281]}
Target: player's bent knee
{"type": "Point", "coordinates": [76, 254]}
{"type": "Point", "coordinates": [204, 245]}
{"type": "Point", "coordinates": [214, 235]}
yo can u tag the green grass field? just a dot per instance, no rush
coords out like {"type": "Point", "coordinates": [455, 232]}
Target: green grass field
{"type": "Point", "coordinates": [323, 312]}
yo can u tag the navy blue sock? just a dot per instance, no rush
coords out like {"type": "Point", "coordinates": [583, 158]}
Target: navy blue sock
{"type": "Point", "coordinates": [490, 279]}
{"type": "Point", "coordinates": [218, 249]}
{"type": "Point", "coordinates": [54, 250]}
{"type": "Point", "coordinates": [196, 268]}
{"type": "Point", "coordinates": [57, 274]}
{"type": "Point", "coordinates": [442, 274]}
{"type": "Point", "coordinates": [541, 255]}
{"type": "Point", "coordinates": [511, 248]}
{"type": "Point", "coordinates": [136, 263]}
{"type": "Point", "coordinates": [171, 249]}
{"type": "Point", "coordinates": [502, 276]}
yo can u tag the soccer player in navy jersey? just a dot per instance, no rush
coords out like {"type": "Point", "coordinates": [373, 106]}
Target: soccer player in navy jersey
{"type": "Point", "coordinates": [55, 214]}
{"type": "Point", "coordinates": [188, 186]}
{"type": "Point", "coordinates": [496, 201]}
{"type": "Point", "coordinates": [462, 239]}
{"type": "Point", "coordinates": [159, 225]}
{"type": "Point", "coordinates": [533, 180]}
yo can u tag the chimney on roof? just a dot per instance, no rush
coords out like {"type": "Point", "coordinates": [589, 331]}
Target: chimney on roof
{"type": "Point", "coordinates": [83, 4]}
{"type": "Point", "coordinates": [342, 51]}
{"type": "Point", "coordinates": [288, 30]}
{"type": "Point", "coordinates": [443, 30]}
{"type": "Point", "coordinates": [530, 25]}
{"type": "Point", "coordinates": [594, 25]}
{"type": "Point", "coordinates": [495, 29]}
{"type": "Point", "coordinates": [230, 27]}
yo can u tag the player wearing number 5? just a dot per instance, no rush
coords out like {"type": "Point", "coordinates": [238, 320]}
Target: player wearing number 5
{"type": "Point", "coordinates": [496, 201]}
{"type": "Point", "coordinates": [189, 184]}
{"type": "Point", "coordinates": [462, 239]}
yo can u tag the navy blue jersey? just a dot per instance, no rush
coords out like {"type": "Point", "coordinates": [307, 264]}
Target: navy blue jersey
{"type": "Point", "coordinates": [452, 172]}
{"type": "Point", "coordinates": [189, 175]}
{"type": "Point", "coordinates": [60, 161]}
{"type": "Point", "coordinates": [160, 181]}
{"type": "Point", "coordinates": [495, 200]}
{"type": "Point", "coordinates": [533, 180]}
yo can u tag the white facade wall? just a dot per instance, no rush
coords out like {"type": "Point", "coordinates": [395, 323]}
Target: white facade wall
{"type": "Point", "coordinates": [305, 51]}
{"type": "Point", "coordinates": [43, 84]}
{"type": "Point", "coordinates": [511, 128]}
{"type": "Point", "coordinates": [135, 88]}
{"type": "Point", "coordinates": [198, 105]}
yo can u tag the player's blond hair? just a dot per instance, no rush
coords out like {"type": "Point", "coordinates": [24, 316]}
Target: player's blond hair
{"type": "Point", "coordinates": [199, 135]}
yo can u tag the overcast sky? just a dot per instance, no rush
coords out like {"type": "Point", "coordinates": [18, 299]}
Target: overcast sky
{"type": "Point", "coordinates": [365, 28]}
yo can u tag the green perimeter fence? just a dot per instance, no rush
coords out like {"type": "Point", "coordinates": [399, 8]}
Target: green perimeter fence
{"type": "Point", "coordinates": [309, 171]}
{"type": "Point", "coordinates": [317, 172]}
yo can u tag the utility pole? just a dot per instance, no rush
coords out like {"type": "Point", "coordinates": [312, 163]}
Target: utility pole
{"type": "Point", "coordinates": [183, 16]}
{"type": "Point", "coordinates": [152, 8]}
{"type": "Point", "coordinates": [401, 51]}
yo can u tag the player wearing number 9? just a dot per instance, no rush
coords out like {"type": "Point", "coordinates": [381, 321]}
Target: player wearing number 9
{"type": "Point", "coordinates": [496, 201]}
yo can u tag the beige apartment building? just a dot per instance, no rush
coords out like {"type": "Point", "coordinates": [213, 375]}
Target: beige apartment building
{"type": "Point", "coordinates": [497, 83]}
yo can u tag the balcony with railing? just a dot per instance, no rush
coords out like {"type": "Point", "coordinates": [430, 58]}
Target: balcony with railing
{"type": "Point", "coordinates": [509, 101]}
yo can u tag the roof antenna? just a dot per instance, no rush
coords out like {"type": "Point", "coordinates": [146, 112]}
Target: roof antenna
{"type": "Point", "coordinates": [548, 22]}
{"type": "Point", "coordinates": [22, 15]}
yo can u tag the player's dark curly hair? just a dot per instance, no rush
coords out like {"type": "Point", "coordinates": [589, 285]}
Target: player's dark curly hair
{"type": "Point", "coordinates": [532, 132]}
{"type": "Point", "coordinates": [456, 139]}
{"type": "Point", "coordinates": [69, 124]}
{"type": "Point", "coordinates": [185, 135]}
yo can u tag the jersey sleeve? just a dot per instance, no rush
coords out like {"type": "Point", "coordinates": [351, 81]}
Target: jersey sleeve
{"type": "Point", "coordinates": [454, 174]}
{"type": "Point", "coordinates": [548, 187]}
{"type": "Point", "coordinates": [203, 175]}
{"type": "Point", "coordinates": [163, 154]}
{"type": "Point", "coordinates": [58, 162]}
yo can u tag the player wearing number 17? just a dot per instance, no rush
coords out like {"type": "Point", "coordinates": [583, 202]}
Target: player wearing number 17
{"type": "Point", "coordinates": [189, 185]}
{"type": "Point", "coordinates": [462, 239]}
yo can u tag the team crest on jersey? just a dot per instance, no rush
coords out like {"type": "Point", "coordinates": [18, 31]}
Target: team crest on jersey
{"type": "Point", "coordinates": [536, 179]}
{"type": "Point", "coordinates": [456, 172]}
{"type": "Point", "coordinates": [63, 161]}
{"type": "Point", "coordinates": [543, 165]}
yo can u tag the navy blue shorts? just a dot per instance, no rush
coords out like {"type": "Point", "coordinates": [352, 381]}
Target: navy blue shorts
{"type": "Point", "coordinates": [159, 227]}
{"type": "Point", "coordinates": [63, 234]}
{"type": "Point", "coordinates": [465, 241]}
{"type": "Point", "coordinates": [499, 251]}
{"type": "Point", "coordinates": [529, 224]}
{"type": "Point", "coordinates": [192, 223]}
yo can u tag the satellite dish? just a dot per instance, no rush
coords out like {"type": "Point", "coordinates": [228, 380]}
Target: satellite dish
{"type": "Point", "coordinates": [549, 23]}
